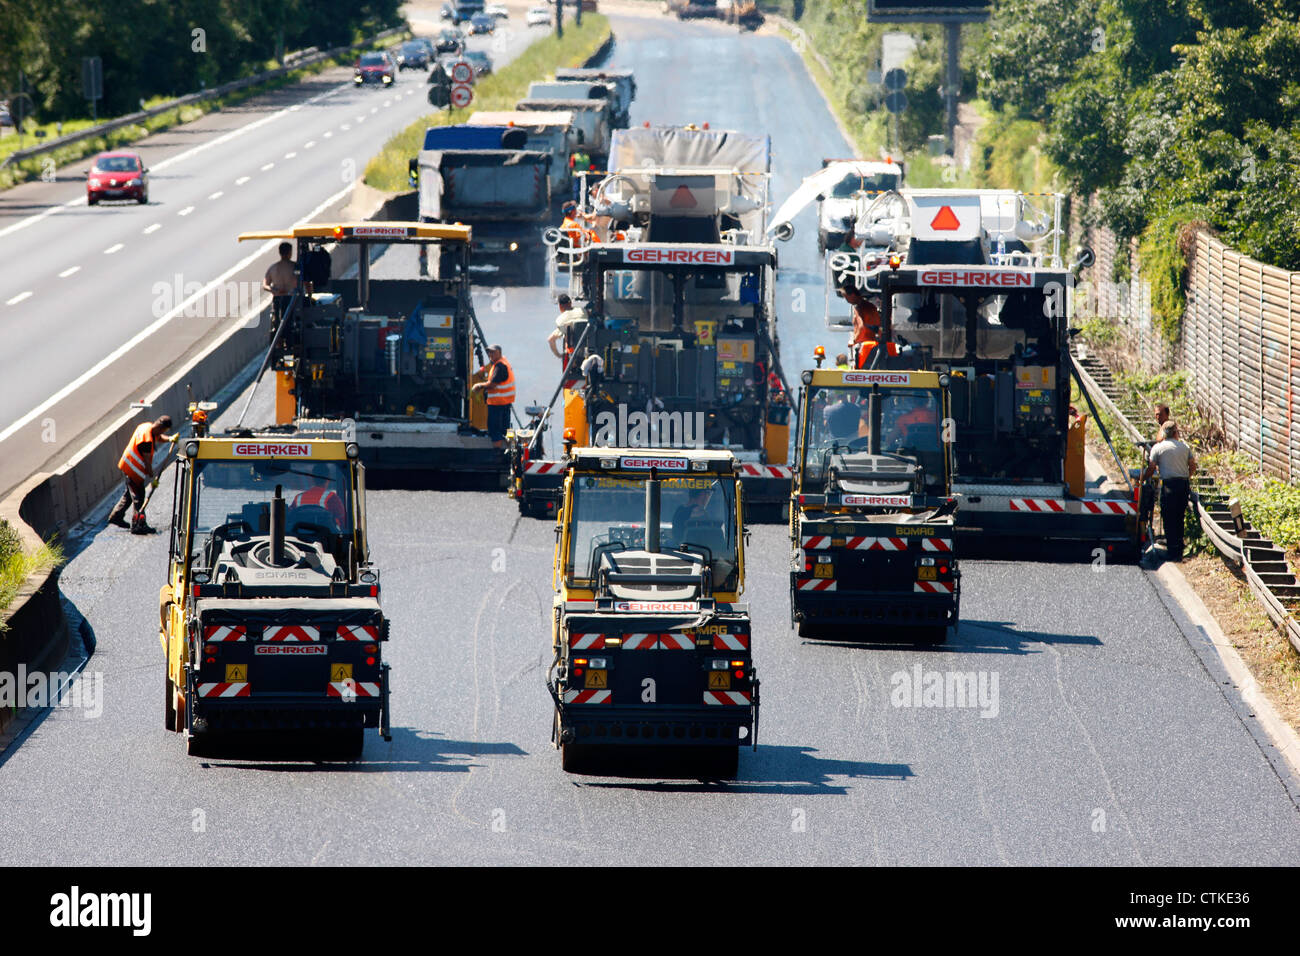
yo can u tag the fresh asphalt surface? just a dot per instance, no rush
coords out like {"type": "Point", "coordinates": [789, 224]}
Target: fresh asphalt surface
{"type": "Point", "coordinates": [1110, 741]}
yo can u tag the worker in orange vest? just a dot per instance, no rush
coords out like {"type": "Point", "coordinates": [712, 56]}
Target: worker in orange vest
{"type": "Point", "coordinates": [866, 315]}
{"type": "Point", "coordinates": [136, 466]}
{"type": "Point", "coordinates": [867, 346]}
{"type": "Point", "coordinates": [917, 426]}
{"type": "Point", "coordinates": [498, 387]}
{"type": "Point", "coordinates": [322, 496]}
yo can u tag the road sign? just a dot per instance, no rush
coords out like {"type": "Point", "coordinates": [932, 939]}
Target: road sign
{"type": "Point", "coordinates": [896, 102]}
{"type": "Point", "coordinates": [462, 94]}
{"type": "Point", "coordinates": [896, 79]}
{"type": "Point", "coordinates": [462, 72]}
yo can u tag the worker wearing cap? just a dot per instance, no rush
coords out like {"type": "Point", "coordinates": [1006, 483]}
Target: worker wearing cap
{"type": "Point", "coordinates": [136, 465]}
{"type": "Point", "coordinates": [498, 387]}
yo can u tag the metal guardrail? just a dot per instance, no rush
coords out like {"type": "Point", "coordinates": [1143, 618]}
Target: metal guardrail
{"type": "Point", "coordinates": [303, 58]}
{"type": "Point", "coordinates": [1263, 564]}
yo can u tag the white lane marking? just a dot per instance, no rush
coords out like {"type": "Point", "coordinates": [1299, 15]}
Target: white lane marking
{"type": "Point", "coordinates": [217, 195]}
{"type": "Point", "coordinates": [329, 133]}
{"type": "Point", "coordinates": [346, 127]}
{"type": "Point", "coordinates": [374, 109]}
{"type": "Point", "coordinates": [309, 144]}
{"type": "Point", "coordinates": [146, 333]}
{"type": "Point", "coordinates": [290, 155]}
{"type": "Point", "coordinates": [361, 119]}
{"type": "Point", "coordinates": [18, 298]}
{"type": "Point", "coordinates": [69, 271]}
{"type": "Point", "coordinates": [115, 247]}
{"type": "Point", "coordinates": [267, 166]}
{"type": "Point", "coordinates": [242, 179]}
{"type": "Point", "coordinates": [81, 200]}
{"type": "Point", "coordinates": [154, 228]}
{"type": "Point", "coordinates": [186, 211]}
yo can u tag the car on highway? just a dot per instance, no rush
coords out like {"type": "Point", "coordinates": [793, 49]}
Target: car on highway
{"type": "Point", "coordinates": [481, 23]}
{"type": "Point", "coordinates": [412, 55]}
{"type": "Point", "coordinates": [538, 17]}
{"type": "Point", "coordinates": [449, 40]}
{"type": "Point", "coordinates": [448, 12]}
{"type": "Point", "coordinates": [481, 62]}
{"type": "Point", "coordinates": [117, 175]}
{"type": "Point", "coordinates": [497, 10]}
{"type": "Point", "coordinates": [465, 10]}
{"type": "Point", "coordinates": [376, 67]}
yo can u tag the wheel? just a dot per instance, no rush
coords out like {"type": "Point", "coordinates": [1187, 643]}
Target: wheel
{"type": "Point", "coordinates": [198, 745]}
{"type": "Point", "coordinates": [723, 762]}
{"type": "Point", "coordinates": [345, 744]}
{"type": "Point", "coordinates": [91, 200]}
{"type": "Point", "coordinates": [169, 706]}
{"type": "Point", "coordinates": [143, 200]}
{"type": "Point", "coordinates": [814, 630]}
{"type": "Point", "coordinates": [575, 758]}
{"type": "Point", "coordinates": [932, 635]}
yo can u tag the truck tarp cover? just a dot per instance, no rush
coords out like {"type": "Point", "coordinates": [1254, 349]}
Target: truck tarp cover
{"type": "Point", "coordinates": [677, 148]}
{"type": "Point", "coordinates": [473, 137]}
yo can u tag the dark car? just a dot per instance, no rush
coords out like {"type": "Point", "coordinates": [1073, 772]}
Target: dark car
{"type": "Point", "coordinates": [412, 56]}
{"type": "Point", "coordinates": [481, 62]}
{"type": "Point", "coordinates": [449, 41]}
{"type": "Point", "coordinates": [466, 9]}
{"type": "Point", "coordinates": [117, 175]}
{"type": "Point", "coordinates": [448, 12]}
{"type": "Point", "coordinates": [377, 68]}
{"type": "Point", "coordinates": [482, 23]}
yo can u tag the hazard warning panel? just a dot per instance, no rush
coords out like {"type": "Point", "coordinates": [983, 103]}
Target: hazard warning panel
{"type": "Point", "coordinates": [945, 220]}
{"type": "Point", "coordinates": [682, 199]}
{"type": "Point", "coordinates": [462, 94]}
{"type": "Point", "coordinates": [948, 216]}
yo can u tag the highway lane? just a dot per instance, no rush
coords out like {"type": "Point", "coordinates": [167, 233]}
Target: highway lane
{"type": "Point", "coordinates": [1107, 741]}
{"type": "Point", "coordinates": [80, 282]}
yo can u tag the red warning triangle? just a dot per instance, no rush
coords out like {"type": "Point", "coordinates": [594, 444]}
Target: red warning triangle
{"type": "Point", "coordinates": [682, 199]}
{"type": "Point", "coordinates": [945, 219]}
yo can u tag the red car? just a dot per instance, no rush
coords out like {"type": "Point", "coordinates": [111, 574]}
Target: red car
{"type": "Point", "coordinates": [375, 68]}
{"type": "Point", "coordinates": [117, 175]}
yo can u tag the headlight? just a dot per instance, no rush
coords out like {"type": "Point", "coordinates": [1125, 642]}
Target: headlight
{"type": "Point", "coordinates": [192, 449]}
{"type": "Point", "coordinates": [136, 182]}
{"type": "Point", "coordinates": [806, 377]}
{"type": "Point", "coordinates": [514, 247]}
{"type": "Point", "coordinates": [353, 449]}
{"type": "Point", "coordinates": [944, 380]}
{"type": "Point", "coordinates": [369, 577]}
{"type": "Point", "coordinates": [94, 183]}
{"type": "Point", "coordinates": [201, 577]}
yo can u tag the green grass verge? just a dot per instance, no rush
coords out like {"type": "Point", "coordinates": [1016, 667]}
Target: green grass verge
{"type": "Point", "coordinates": [34, 168]}
{"type": "Point", "coordinates": [17, 564]}
{"type": "Point", "coordinates": [387, 169]}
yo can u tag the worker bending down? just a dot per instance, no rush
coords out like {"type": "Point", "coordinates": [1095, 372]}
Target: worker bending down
{"type": "Point", "coordinates": [136, 466]}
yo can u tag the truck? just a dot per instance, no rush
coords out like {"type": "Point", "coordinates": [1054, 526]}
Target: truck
{"type": "Point", "coordinates": [744, 13]}
{"type": "Point", "coordinates": [839, 188]}
{"type": "Point", "coordinates": [976, 279]}
{"type": "Point", "coordinates": [552, 132]}
{"type": "Point", "coordinates": [680, 346]}
{"type": "Point", "coordinates": [621, 84]}
{"type": "Point", "coordinates": [270, 618]}
{"type": "Point", "coordinates": [651, 647]}
{"type": "Point", "coordinates": [872, 517]}
{"type": "Point", "coordinates": [395, 356]}
{"type": "Point", "coordinates": [485, 177]}
{"type": "Point", "coordinates": [591, 109]}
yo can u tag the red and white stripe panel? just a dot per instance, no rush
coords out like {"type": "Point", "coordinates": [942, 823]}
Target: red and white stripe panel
{"type": "Point", "coordinates": [240, 689]}
{"type": "Point", "coordinates": [1052, 505]}
{"type": "Point", "coordinates": [223, 632]}
{"type": "Point", "coordinates": [586, 642]}
{"type": "Point", "coordinates": [726, 698]}
{"type": "Point", "coordinates": [815, 542]}
{"type": "Point", "coordinates": [640, 642]}
{"type": "Point", "coordinates": [291, 633]}
{"type": "Point", "coordinates": [731, 642]}
{"type": "Point", "coordinates": [817, 584]}
{"type": "Point", "coordinates": [676, 642]}
{"type": "Point", "coordinates": [888, 544]}
{"type": "Point", "coordinates": [544, 467]}
{"type": "Point", "coordinates": [1110, 507]}
{"type": "Point", "coordinates": [588, 696]}
{"type": "Point", "coordinates": [366, 632]}
{"type": "Point", "coordinates": [935, 587]}
{"type": "Point", "coordinates": [936, 544]}
{"type": "Point", "coordinates": [766, 471]}
{"type": "Point", "coordinates": [353, 688]}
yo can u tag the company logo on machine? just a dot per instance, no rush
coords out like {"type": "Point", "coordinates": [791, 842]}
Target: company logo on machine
{"type": "Point", "coordinates": [877, 378]}
{"type": "Point", "coordinates": [269, 450]}
{"type": "Point", "coordinates": [656, 607]}
{"type": "Point", "coordinates": [877, 501]}
{"type": "Point", "coordinates": [298, 650]}
{"type": "Point", "coordinates": [978, 277]}
{"type": "Point", "coordinates": [715, 257]}
{"type": "Point", "coordinates": [663, 464]}
{"type": "Point", "coordinates": [379, 231]}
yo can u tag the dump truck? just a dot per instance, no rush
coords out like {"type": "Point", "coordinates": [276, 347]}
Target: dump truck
{"type": "Point", "coordinates": [872, 516]}
{"type": "Point", "coordinates": [552, 133]}
{"type": "Point", "coordinates": [680, 347]}
{"type": "Point", "coordinates": [270, 618]}
{"type": "Point", "coordinates": [487, 178]}
{"type": "Point", "coordinates": [591, 108]}
{"type": "Point", "coordinates": [651, 645]}
{"type": "Point", "coordinates": [976, 279]}
{"type": "Point", "coordinates": [622, 85]}
{"type": "Point", "coordinates": [395, 356]}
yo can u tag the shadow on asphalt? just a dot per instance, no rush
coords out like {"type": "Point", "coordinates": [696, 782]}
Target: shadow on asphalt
{"type": "Point", "coordinates": [410, 751]}
{"type": "Point", "coordinates": [776, 770]}
{"type": "Point", "coordinates": [970, 637]}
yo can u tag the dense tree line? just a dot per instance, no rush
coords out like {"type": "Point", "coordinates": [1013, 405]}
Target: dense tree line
{"type": "Point", "coordinates": [163, 47]}
{"type": "Point", "coordinates": [1169, 110]}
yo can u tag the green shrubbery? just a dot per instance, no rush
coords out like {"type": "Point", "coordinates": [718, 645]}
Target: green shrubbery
{"type": "Point", "coordinates": [18, 564]}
